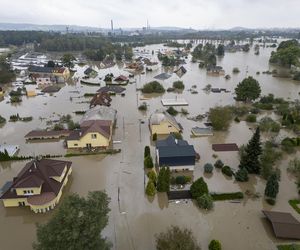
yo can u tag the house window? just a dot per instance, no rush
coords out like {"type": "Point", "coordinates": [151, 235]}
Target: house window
{"type": "Point", "coordinates": [31, 191]}
{"type": "Point", "coordinates": [25, 191]}
{"type": "Point", "coordinates": [75, 144]}
{"type": "Point", "coordinates": [94, 136]}
{"type": "Point", "coordinates": [169, 126]}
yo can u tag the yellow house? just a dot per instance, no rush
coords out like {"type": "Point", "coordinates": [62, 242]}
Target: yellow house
{"type": "Point", "coordinates": [30, 93]}
{"type": "Point", "coordinates": [92, 134]}
{"type": "Point", "coordinates": [39, 185]}
{"type": "Point", "coordinates": [162, 123]}
{"type": "Point", "coordinates": [61, 72]}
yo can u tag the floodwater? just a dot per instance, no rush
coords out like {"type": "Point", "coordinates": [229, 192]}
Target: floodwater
{"type": "Point", "coordinates": [134, 218]}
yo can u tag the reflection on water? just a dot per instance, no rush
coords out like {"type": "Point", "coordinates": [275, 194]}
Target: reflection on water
{"type": "Point", "coordinates": [135, 219]}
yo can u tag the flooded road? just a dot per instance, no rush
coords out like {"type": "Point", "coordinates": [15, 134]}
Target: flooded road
{"type": "Point", "coordinates": [135, 219]}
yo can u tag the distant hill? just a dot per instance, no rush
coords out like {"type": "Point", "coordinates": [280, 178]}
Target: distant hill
{"type": "Point", "coordinates": [42, 27]}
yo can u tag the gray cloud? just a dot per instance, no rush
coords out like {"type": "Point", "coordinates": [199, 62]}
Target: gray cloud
{"type": "Point", "coordinates": [134, 13]}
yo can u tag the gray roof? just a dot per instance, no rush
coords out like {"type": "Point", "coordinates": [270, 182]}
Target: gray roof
{"type": "Point", "coordinates": [112, 89]}
{"type": "Point", "coordinates": [160, 116]}
{"type": "Point", "coordinates": [37, 69]}
{"type": "Point", "coordinates": [163, 76]}
{"type": "Point", "coordinates": [100, 113]}
{"type": "Point", "coordinates": [172, 147]}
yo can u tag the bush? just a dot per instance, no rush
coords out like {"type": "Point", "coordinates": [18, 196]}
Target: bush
{"type": "Point", "coordinates": [271, 201]}
{"type": "Point", "coordinates": [152, 176]}
{"type": "Point", "coordinates": [153, 87]}
{"type": "Point", "coordinates": [267, 124]}
{"type": "Point", "coordinates": [150, 188]}
{"type": "Point", "coordinates": [251, 118]}
{"type": "Point", "coordinates": [178, 85]}
{"type": "Point", "coordinates": [147, 151]}
{"type": "Point", "coordinates": [2, 119]}
{"type": "Point", "coordinates": [220, 117]}
{"type": "Point", "coordinates": [235, 70]}
{"type": "Point", "coordinates": [227, 171]}
{"type": "Point", "coordinates": [227, 196]}
{"type": "Point", "coordinates": [15, 99]}
{"type": "Point", "coordinates": [208, 168]}
{"type": "Point", "coordinates": [154, 137]}
{"type": "Point", "coordinates": [219, 164]}
{"type": "Point", "coordinates": [58, 126]}
{"type": "Point", "coordinates": [148, 162]}
{"type": "Point", "coordinates": [242, 175]}
{"type": "Point", "coordinates": [72, 125]}
{"type": "Point", "coordinates": [176, 238]}
{"type": "Point", "coordinates": [198, 188]}
{"type": "Point", "coordinates": [172, 111]}
{"type": "Point", "coordinates": [205, 201]}
{"type": "Point", "coordinates": [214, 245]}
{"type": "Point", "coordinates": [143, 107]}
{"type": "Point", "coordinates": [180, 180]}
{"type": "Point", "coordinates": [184, 111]}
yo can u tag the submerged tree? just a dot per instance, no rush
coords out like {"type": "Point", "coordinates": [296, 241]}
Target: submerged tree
{"type": "Point", "coordinates": [163, 179]}
{"type": "Point", "coordinates": [248, 89]}
{"type": "Point", "coordinates": [250, 158]}
{"type": "Point", "coordinates": [77, 224]}
{"type": "Point", "coordinates": [198, 188]}
{"type": "Point", "coordinates": [272, 186]}
{"type": "Point", "coordinates": [176, 238]}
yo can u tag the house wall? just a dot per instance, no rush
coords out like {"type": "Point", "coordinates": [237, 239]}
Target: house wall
{"type": "Point", "coordinates": [36, 190]}
{"type": "Point", "coordinates": [65, 74]}
{"type": "Point", "coordinates": [43, 80]}
{"type": "Point", "coordinates": [100, 141]}
{"type": "Point", "coordinates": [163, 128]}
{"type": "Point", "coordinates": [14, 202]}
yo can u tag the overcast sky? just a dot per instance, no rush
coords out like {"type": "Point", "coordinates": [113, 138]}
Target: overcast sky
{"type": "Point", "coordinates": [197, 14]}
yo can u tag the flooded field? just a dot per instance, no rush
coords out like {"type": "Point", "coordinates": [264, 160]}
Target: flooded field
{"type": "Point", "coordinates": [134, 218]}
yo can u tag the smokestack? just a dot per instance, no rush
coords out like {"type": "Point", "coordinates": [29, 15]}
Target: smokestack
{"type": "Point", "coordinates": [112, 25]}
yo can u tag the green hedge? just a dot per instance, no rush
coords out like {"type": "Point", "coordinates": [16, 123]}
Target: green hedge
{"type": "Point", "coordinates": [227, 196]}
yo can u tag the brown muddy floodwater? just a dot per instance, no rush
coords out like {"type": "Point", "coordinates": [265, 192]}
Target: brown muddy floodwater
{"type": "Point", "coordinates": [135, 219]}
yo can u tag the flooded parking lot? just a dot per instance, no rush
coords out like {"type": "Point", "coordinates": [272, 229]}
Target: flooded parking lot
{"type": "Point", "coordinates": [134, 218]}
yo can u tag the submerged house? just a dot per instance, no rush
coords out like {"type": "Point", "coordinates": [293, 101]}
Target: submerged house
{"type": "Point", "coordinates": [100, 113]}
{"type": "Point", "coordinates": [44, 75]}
{"type": "Point", "coordinates": [111, 89]}
{"type": "Point", "coordinates": [181, 71]}
{"type": "Point", "coordinates": [101, 99]}
{"type": "Point", "coordinates": [176, 154]}
{"type": "Point", "coordinates": [38, 185]}
{"type": "Point", "coordinates": [92, 134]}
{"type": "Point", "coordinates": [162, 123]}
{"type": "Point", "coordinates": [121, 79]}
{"type": "Point", "coordinates": [89, 72]}
{"type": "Point", "coordinates": [215, 70]}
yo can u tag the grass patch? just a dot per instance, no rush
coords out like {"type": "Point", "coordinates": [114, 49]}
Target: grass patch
{"type": "Point", "coordinates": [227, 196]}
{"type": "Point", "coordinates": [295, 204]}
{"type": "Point", "coordinates": [289, 247]}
